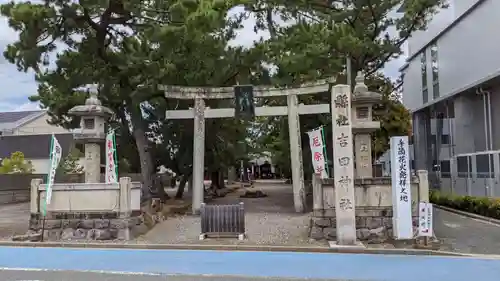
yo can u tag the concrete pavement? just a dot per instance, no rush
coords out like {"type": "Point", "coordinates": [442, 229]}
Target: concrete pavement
{"type": "Point", "coordinates": [284, 265]}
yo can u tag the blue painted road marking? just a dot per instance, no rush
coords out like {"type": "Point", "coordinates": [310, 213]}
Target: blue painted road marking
{"type": "Point", "coordinates": [255, 264]}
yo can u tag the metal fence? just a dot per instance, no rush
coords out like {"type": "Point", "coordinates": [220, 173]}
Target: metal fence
{"type": "Point", "coordinates": [474, 174]}
{"type": "Point", "coordinates": [222, 220]}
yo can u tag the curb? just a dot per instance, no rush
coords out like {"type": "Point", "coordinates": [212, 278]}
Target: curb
{"type": "Point", "coordinates": [250, 248]}
{"type": "Point", "coordinates": [469, 215]}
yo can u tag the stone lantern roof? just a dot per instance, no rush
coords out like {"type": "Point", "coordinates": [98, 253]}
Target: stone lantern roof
{"type": "Point", "coordinates": [361, 93]}
{"type": "Point", "coordinates": [92, 107]}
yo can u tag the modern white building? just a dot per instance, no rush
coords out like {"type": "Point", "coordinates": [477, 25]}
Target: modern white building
{"type": "Point", "coordinates": [30, 133]}
{"type": "Point", "coordinates": [451, 83]}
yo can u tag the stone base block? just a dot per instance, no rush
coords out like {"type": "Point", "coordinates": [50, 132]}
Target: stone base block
{"type": "Point", "coordinates": [372, 226]}
{"type": "Point", "coordinates": [78, 227]}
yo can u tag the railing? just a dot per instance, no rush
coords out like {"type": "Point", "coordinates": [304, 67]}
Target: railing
{"type": "Point", "coordinates": [222, 221]}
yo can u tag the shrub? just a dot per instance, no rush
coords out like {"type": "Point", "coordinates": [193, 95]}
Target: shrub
{"type": "Point", "coordinates": [485, 206]}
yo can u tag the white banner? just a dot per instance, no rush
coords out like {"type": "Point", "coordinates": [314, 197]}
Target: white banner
{"type": "Point", "coordinates": [401, 191]}
{"type": "Point", "coordinates": [318, 152]}
{"type": "Point", "coordinates": [111, 167]}
{"type": "Point", "coordinates": [55, 158]}
{"type": "Point", "coordinates": [425, 219]}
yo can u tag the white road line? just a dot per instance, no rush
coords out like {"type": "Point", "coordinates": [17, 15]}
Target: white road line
{"type": "Point", "coordinates": [478, 220]}
{"type": "Point", "coordinates": [83, 271]}
{"type": "Point", "coordinates": [451, 225]}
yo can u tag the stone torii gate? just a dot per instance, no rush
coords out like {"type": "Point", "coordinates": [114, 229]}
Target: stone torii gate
{"type": "Point", "coordinates": [292, 110]}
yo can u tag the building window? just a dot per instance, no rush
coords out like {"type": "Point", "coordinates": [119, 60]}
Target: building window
{"type": "Point", "coordinates": [485, 166]}
{"type": "Point", "coordinates": [423, 64]}
{"type": "Point", "coordinates": [435, 70]}
{"type": "Point", "coordinates": [445, 169]}
{"type": "Point", "coordinates": [464, 167]}
{"type": "Point", "coordinates": [445, 139]}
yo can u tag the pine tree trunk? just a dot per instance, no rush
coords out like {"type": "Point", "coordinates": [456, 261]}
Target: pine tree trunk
{"type": "Point", "coordinates": [146, 161]}
{"type": "Point", "coordinates": [182, 185]}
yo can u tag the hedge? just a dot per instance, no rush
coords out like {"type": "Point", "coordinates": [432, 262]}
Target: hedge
{"type": "Point", "coordinates": [485, 206]}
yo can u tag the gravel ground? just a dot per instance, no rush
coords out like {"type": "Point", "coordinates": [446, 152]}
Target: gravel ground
{"type": "Point", "coordinates": [269, 221]}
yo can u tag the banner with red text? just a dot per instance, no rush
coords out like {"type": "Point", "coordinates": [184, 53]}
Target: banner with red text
{"type": "Point", "coordinates": [111, 165]}
{"type": "Point", "coordinates": [318, 152]}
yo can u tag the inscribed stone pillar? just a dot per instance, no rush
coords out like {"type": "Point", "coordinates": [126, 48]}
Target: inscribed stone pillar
{"type": "Point", "coordinates": [125, 206]}
{"type": "Point", "coordinates": [343, 165]}
{"type": "Point", "coordinates": [92, 163]}
{"type": "Point", "coordinates": [198, 154]}
{"type": "Point", "coordinates": [317, 189]}
{"type": "Point", "coordinates": [34, 195]}
{"type": "Point", "coordinates": [296, 154]}
{"type": "Point", "coordinates": [125, 185]}
{"type": "Point", "coordinates": [362, 143]}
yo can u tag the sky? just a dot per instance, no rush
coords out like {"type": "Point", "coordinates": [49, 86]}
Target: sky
{"type": "Point", "coordinates": [17, 86]}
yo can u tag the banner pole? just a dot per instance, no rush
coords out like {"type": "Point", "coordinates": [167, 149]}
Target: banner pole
{"type": "Point", "coordinates": [44, 206]}
{"type": "Point", "coordinates": [115, 155]}
{"type": "Point", "coordinates": [324, 151]}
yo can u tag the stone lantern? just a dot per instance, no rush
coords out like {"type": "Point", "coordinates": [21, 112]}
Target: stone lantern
{"type": "Point", "coordinates": [363, 125]}
{"type": "Point", "coordinates": [92, 125]}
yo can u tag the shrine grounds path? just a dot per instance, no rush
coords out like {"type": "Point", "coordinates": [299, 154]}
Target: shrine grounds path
{"type": "Point", "coordinates": [269, 221]}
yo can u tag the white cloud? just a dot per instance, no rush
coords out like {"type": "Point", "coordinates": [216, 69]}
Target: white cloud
{"type": "Point", "coordinates": [17, 86]}
{"type": "Point", "coordinates": [28, 106]}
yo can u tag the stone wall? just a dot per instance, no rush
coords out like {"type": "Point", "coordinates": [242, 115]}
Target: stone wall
{"type": "Point", "coordinates": [373, 207]}
{"type": "Point", "coordinates": [78, 226]}
{"type": "Point", "coordinates": [373, 225]}
{"type": "Point", "coordinates": [15, 188]}
{"type": "Point", "coordinates": [96, 211]}
{"type": "Point", "coordinates": [14, 196]}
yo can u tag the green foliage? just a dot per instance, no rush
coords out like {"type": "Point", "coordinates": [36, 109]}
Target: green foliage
{"type": "Point", "coordinates": [128, 48]}
{"type": "Point", "coordinates": [70, 164]}
{"type": "Point", "coordinates": [393, 116]}
{"type": "Point", "coordinates": [131, 47]}
{"type": "Point", "coordinates": [395, 119]}
{"type": "Point", "coordinates": [16, 164]}
{"type": "Point", "coordinates": [485, 206]}
{"type": "Point", "coordinates": [315, 46]}
{"type": "Point", "coordinates": [325, 32]}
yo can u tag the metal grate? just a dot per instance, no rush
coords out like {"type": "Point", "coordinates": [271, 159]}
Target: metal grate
{"type": "Point", "coordinates": [222, 221]}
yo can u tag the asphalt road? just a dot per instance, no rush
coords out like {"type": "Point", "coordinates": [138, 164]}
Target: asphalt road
{"type": "Point", "coordinates": [20, 275]}
{"type": "Point", "coordinates": [466, 235]}
{"type": "Point", "coordinates": [25, 263]}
